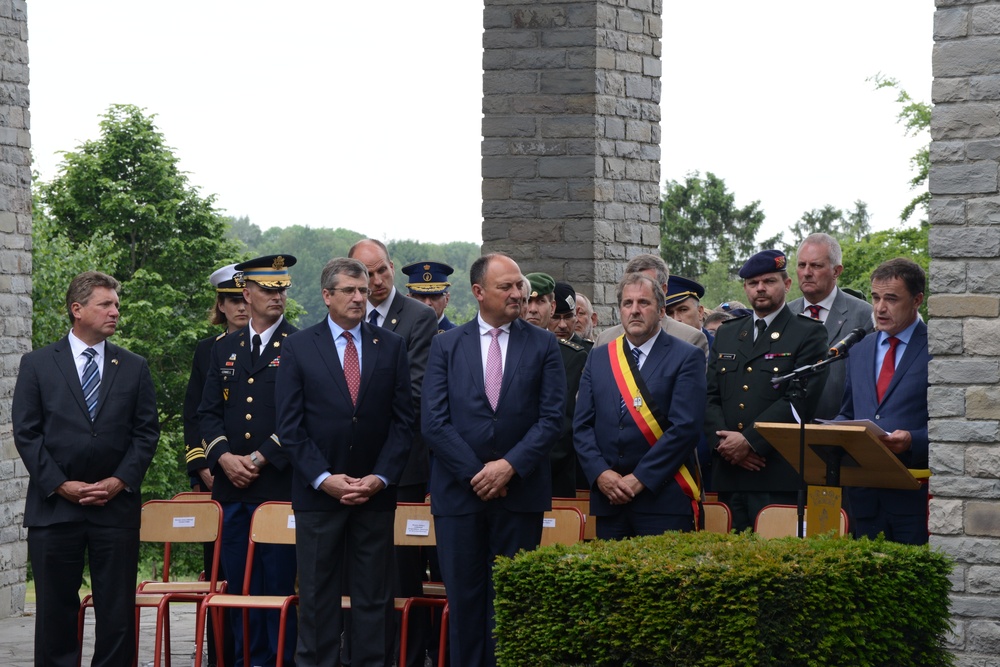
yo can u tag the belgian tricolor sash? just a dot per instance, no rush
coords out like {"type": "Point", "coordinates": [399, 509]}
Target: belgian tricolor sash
{"type": "Point", "coordinates": [647, 416]}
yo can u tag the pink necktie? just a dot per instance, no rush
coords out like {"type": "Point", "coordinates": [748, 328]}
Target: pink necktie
{"type": "Point", "coordinates": [352, 369]}
{"type": "Point", "coordinates": [494, 369]}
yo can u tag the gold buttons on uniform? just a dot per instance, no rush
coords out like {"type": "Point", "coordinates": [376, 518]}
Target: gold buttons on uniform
{"type": "Point", "coordinates": [249, 399]}
{"type": "Point", "coordinates": [250, 381]}
{"type": "Point", "coordinates": [249, 417]}
{"type": "Point", "coordinates": [739, 426]}
{"type": "Point", "coordinates": [742, 406]}
{"type": "Point", "coordinates": [749, 369]}
{"type": "Point", "coordinates": [246, 436]}
{"type": "Point", "coordinates": [746, 388]}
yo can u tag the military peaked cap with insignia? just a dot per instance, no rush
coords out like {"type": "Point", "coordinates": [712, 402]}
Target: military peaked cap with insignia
{"type": "Point", "coordinates": [541, 284]}
{"type": "Point", "coordinates": [565, 298]}
{"type": "Point", "coordinates": [428, 277]}
{"type": "Point", "coordinates": [269, 271]}
{"type": "Point", "coordinates": [224, 280]}
{"type": "Point", "coordinates": [679, 289]}
{"type": "Point", "coordinates": [766, 261]}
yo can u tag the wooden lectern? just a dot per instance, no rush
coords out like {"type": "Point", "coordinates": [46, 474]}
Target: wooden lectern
{"type": "Point", "coordinates": [836, 456]}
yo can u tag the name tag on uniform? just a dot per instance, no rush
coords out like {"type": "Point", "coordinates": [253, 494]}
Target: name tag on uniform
{"type": "Point", "coordinates": [227, 371]}
{"type": "Point", "coordinates": [726, 355]}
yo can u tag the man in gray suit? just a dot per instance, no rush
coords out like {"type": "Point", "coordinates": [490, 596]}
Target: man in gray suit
{"type": "Point", "coordinates": [818, 265]}
{"type": "Point", "coordinates": [654, 267]}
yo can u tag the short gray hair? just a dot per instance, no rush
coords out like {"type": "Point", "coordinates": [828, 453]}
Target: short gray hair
{"type": "Point", "coordinates": [341, 265]}
{"type": "Point", "coordinates": [833, 251]}
{"type": "Point", "coordinates": [635, 278]}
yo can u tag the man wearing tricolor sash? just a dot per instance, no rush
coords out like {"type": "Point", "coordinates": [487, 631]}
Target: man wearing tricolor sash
{"type": "Point", "coordinates": [638, 417]}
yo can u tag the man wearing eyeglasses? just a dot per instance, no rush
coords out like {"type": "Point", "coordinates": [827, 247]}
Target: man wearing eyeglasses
{"type": "Point", "coordinates": [345, 410]}
{"type": "Point", "coordinates": [417, 324]}
{"type": "Point", "coordinates": [239, 435]}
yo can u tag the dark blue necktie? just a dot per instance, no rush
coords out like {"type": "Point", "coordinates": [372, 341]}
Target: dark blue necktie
{"type": "Point", "coordinates": [636, 353]}
{"type": "Point", "coordinates": [91, 381]}
{"type": "Point", "coordinates": [373, 318]}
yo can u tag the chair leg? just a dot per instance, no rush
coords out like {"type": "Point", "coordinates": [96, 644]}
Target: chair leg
{"type": "Point", "coordinates": [443, 638]}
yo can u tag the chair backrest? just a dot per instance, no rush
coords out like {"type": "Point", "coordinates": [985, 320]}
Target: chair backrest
{"type": "Point", "coordinates": [782, 521]}
{"type": "Point", "coordinates": [582, 504]}
{"type": "Point", "coordinates": [192, 495]}
{"type": "Point", "coordinates": [182, 520]}
{"type": "Point", "coordinates": [562, 525]}
{"type": "Point", "coordinates": [273, 523]}
{"type": "Point", "coordinates": [718, 517]}
{"type": "Point", "coordinates": [414, 525]}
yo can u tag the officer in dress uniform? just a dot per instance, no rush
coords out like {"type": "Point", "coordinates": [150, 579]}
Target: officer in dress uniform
{"type": "Point", "coordinates": [229, 309]}
{"type": "Point", "coordinates": [748, 473]}
{"type": "Point", "coordinates": [563, 322]}
{"type": "Point", "coordinates": [684, 304]}
{"type": "Point", "coordinates": [238, 426]}
{"type": "Point", "coordinates": [541, 307]}
{"type": "Point", "coordinates": [429, 284]}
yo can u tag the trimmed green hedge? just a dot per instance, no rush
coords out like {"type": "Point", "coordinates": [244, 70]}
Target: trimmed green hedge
{"type": "Point", "coordinates": [697, 599]}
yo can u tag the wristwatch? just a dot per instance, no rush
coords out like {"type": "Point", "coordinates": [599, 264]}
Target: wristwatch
{"type": "Point", "coordinates": [254, 458]}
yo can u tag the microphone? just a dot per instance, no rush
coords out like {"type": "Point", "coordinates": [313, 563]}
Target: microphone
{"type": "Point", "coordinates": [844, 345]}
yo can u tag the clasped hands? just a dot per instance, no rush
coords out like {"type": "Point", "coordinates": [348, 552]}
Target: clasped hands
{"type": "Point", "coordinates": [619, 489]}
{"type": "Point", "coordinates": [97, 494]}
{"type": "Point", "coordinates": [734, 449]}
{"type": "Point", "coordinates": [491, 482]}
{"type": "Point", "coordinates": [351, 490]}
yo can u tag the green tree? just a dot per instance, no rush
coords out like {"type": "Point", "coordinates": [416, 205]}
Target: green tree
{"type": "Point", "coordinates": [700, 223]}
{"type": "Point", "coordinates": [853, 224]}
{"type": "Point", "coordinates": [121, 205]}
{"type": "Point", "coordinates": [916, 119]}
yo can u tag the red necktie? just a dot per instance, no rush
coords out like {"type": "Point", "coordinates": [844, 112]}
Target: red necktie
{"type": "Point", "coordinates": [352, 369]}
{"type": "Point", "coordinates": [888, 368]}
{"type": "Point", "coordinates": [814, 311]}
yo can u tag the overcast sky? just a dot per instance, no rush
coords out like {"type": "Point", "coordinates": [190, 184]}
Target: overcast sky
{"type": "Point", "coordinates": [335, 114]}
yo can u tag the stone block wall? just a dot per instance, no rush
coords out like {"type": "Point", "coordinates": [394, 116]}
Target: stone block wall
{"type": "Point", "coordinates": [964, 397]}
{"type": "Point", "coordinates": [571, 133]}
{"type": "Point", "coordinates": [15, 289]}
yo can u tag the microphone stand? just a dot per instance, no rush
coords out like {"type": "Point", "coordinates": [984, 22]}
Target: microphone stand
{"type": "Point", "coordinates": [799, 380]}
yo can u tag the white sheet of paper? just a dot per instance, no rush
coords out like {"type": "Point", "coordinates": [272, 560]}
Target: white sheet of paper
{"type": "Point", "coordinates": [420, 527]}
{"type": "Point", "coordinates": [548, 523]}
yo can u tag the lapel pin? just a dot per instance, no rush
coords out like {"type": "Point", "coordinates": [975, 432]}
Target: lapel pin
{"type": "Point", "coordinates": [394, 320]}
{"type": "Point", "coordinates": [374, 341]}
{"type": "Point", "coordinates": [242, 343]}
{"type": "Point", "coordinates": [743, 334]}
{"type": "Point", "coordinates": [775, 335]}
{"type": "Point", "coordinates": [277, 344]}
{"type": "Point", "coordinates": [114, 361]}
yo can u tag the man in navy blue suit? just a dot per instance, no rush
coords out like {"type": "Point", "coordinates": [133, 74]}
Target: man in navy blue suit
{"type": "Point", "coordinates": [887, 383]}
{"type": "Point", "coordinates": [492, 408]}
{"type": "Point", "coordinates": [345, 413]}
{"type": "Point", "coordinates": [636, 445]}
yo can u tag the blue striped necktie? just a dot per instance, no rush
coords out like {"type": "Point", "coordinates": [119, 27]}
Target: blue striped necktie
{"type": "Point", "coordinates": [91, 382]}
{"type": "Point", "coordinates": [637, 354]}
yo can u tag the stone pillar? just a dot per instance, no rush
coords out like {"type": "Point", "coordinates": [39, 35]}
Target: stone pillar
{"type": "Point", "coordinates": [571, 157]}
{"type": "Point", "coordinates": [15, 289]}
{"type": "Point", "coordinates": [964, 397]}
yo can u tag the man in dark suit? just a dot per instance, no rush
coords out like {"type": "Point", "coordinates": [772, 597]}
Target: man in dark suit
{"type": "Point", "coordinates": [430, 286]}
{"type": "Point", "coordinates": [747, 472]}
{"type": "Point", "coordinates": [636, 445]}
{"type": "Point", "coordinates": [239, 434]}
{"type": "Point", "coordinates": [654, 267]}
{"type": "Point", "coordinates": [887, 383]}
{"type": "Point", "coordinates": [417, 324]}
{"type": "Point", "coordinates": [346, 413]}
{"type": "Point", "coordinates": [85, 425]}
{"type": "Point", "coordinates": [818, 266]}
{"type": "Point", "coordinates": [492, 410]}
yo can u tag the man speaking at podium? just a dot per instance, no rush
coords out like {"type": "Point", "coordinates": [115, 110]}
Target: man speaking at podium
{"type": "Point", "coordinates": [887, 383]}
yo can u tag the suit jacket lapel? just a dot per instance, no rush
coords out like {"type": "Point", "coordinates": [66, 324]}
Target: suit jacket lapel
{"type": "Point", "coordinates": [515, 347]}
{"type": "Point", "coordinates": [473, 354]}
{"type": "Point", "coordinates": [917, 341]}
{"type": "Point", "coordinates": [108, 375]}
{"type": "Point", "coordinates": [369, 355]}
{"type": "Point", "coordinates": [67, 366]}
{"type": "Point", "coordinates": [657, 355]}
{"type": "Point", "coordinates": [394, 314]}
{"type": "Point", "coordinates": [836, 317]}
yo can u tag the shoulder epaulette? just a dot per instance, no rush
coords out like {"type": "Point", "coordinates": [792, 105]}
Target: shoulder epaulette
{"type": "Point", "coordinates": [570, 344]}
{"type": "Point", "coordinates": [734, 319]}
{"type": "Point", "coordinates": [221, 335]}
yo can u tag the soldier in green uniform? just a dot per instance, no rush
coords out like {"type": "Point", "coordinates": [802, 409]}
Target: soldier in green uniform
{"type": "Point", "coordinates": [748, 472]}
{"type": "Point", "coordinates": [541, 307]}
